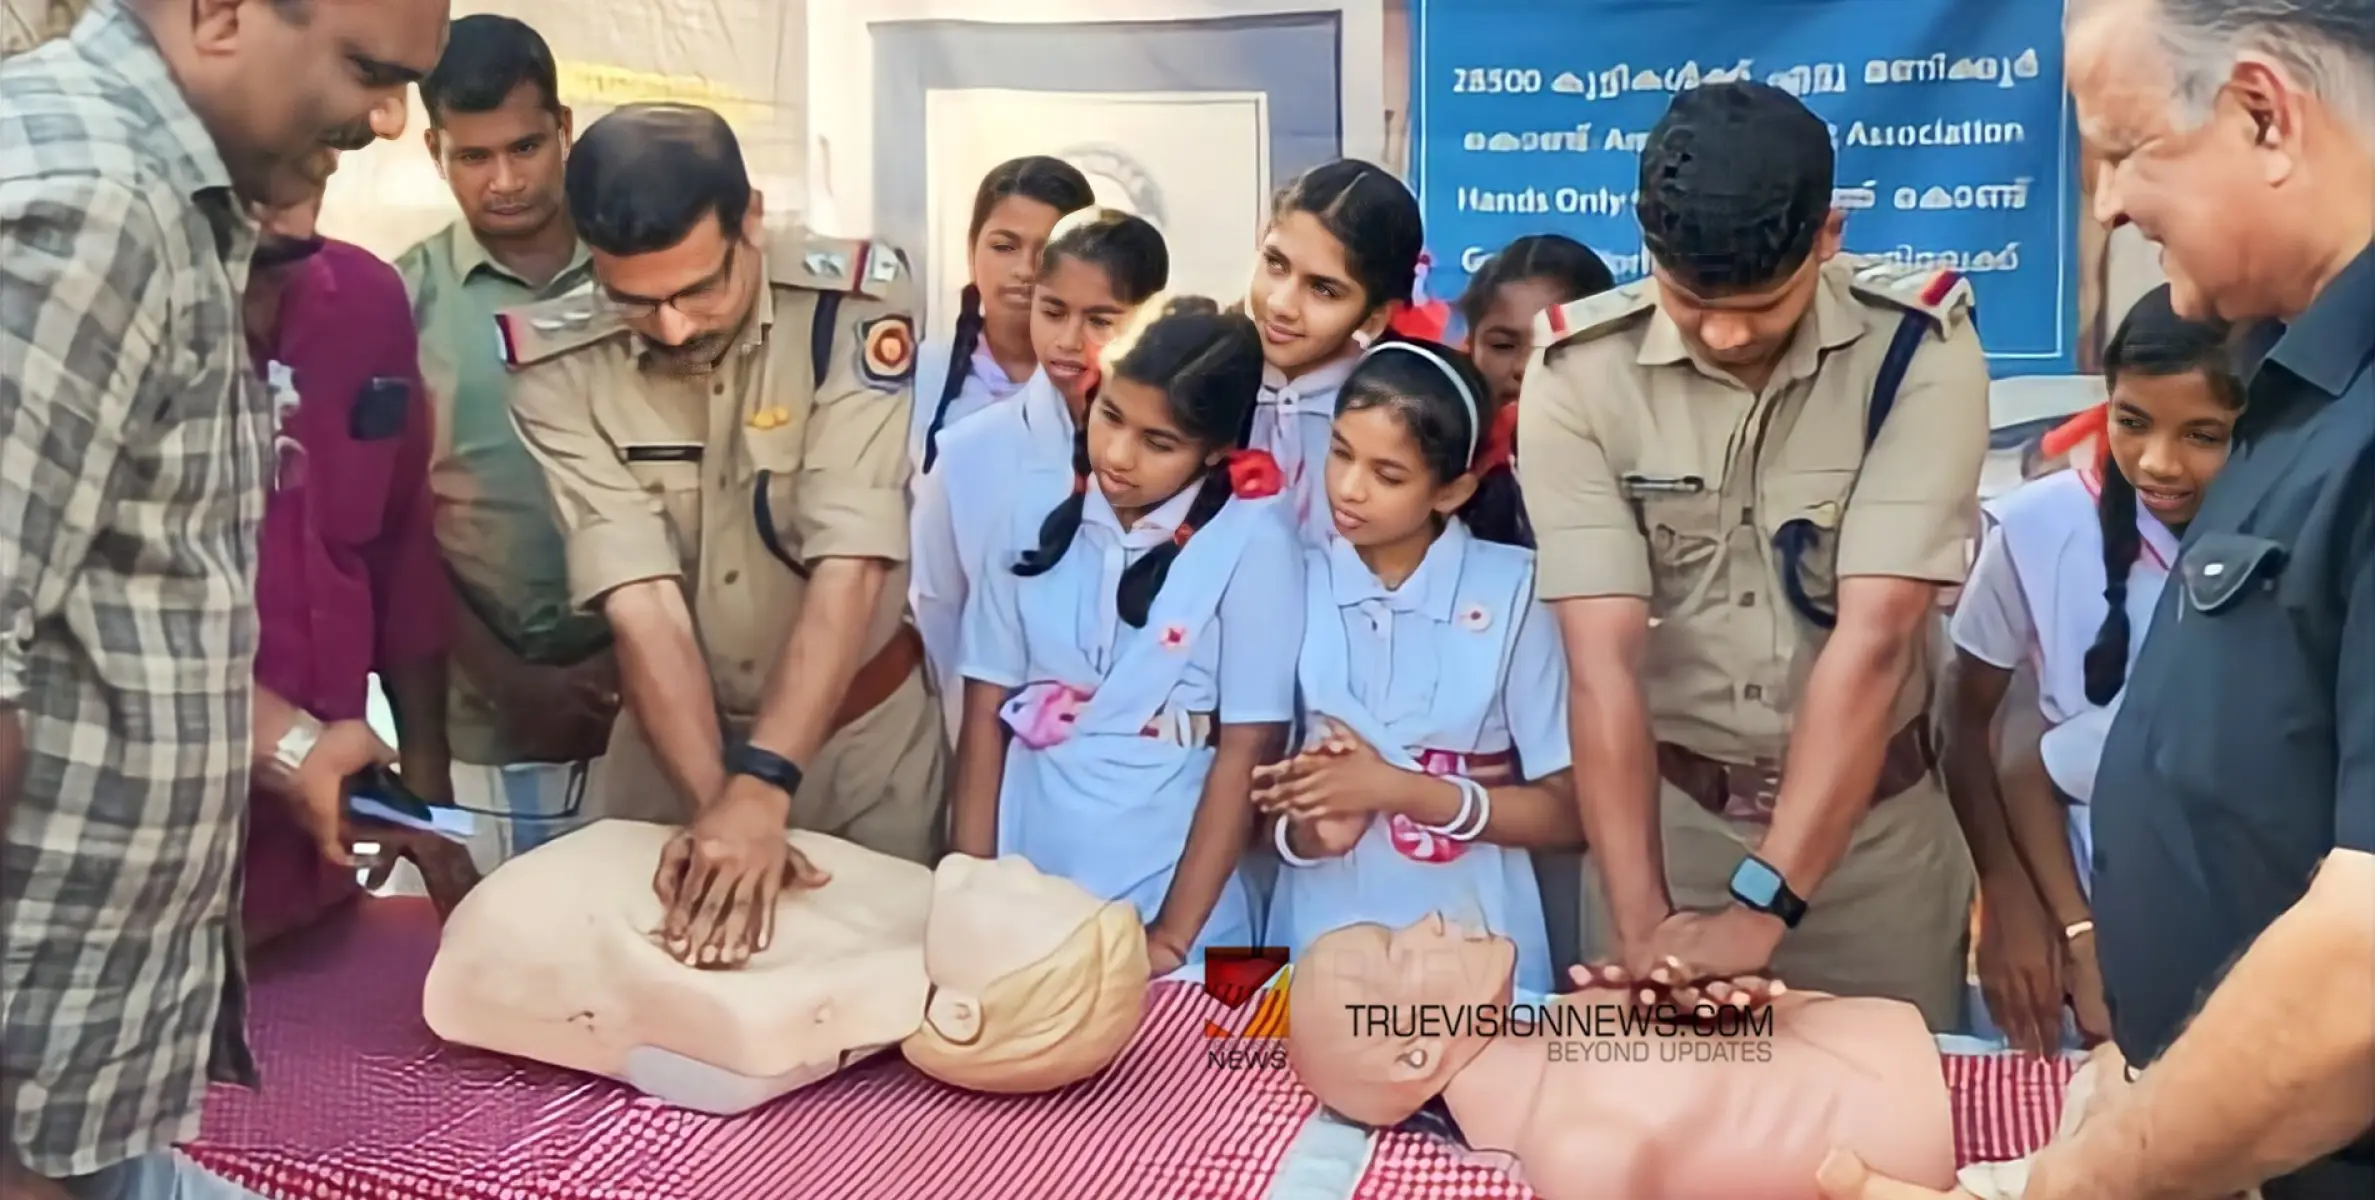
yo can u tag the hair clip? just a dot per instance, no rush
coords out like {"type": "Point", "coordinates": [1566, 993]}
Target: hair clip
{"type": "Point", "coordinates": [1180, 536]}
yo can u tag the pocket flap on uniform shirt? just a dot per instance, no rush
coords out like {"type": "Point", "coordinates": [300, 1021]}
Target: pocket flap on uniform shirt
{"type": "Point", "coordinates": [2221, 568]}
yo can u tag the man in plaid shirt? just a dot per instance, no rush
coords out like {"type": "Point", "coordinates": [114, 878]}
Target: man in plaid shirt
{"type": "Point", "coordinates": [135, 450]}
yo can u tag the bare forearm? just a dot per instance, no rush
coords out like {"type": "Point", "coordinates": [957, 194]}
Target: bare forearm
{"type": "Point", "coordinates": [1616, 784]}
{"type": "Point", "coordinates": [2041, 836]}
{"type": "Point", "coordinates": [1978, 806]}
{"type": "Point", "coordinates": [820, 658]}
{"type": "Point", "coordinates": [2275, 1072]}
{"type": "Point", "coordinates": [981, 768]}
{"type": "Point", "coordinates": [664, 681]}
{"type": "Point", "coordinates": [1218, 833]}
{"type": "Point", "coordinates": [1837, 743]}
{"type": "Point", "coordinates": [416, 697]}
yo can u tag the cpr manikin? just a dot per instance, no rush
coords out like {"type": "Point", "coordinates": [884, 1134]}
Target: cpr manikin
{"type": "Point", "coordinates": [1679, 1122]}
{"type": "Point", "coordinates": [990, 975]}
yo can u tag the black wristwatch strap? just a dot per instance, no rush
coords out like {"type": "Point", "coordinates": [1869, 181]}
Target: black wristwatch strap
{"type": "Point", "coordinates": [767, 766]}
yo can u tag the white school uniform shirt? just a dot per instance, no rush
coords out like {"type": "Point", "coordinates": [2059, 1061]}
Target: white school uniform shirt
{"type": "Point", "coordinates": [1460, 659]}
{"type": "Point", "coordinates": [985, 384]}
{"type": "Point", "coordinates": [999, 461]}
{"type": "Point", "coordinates": [1109, 807]}
{"type": "Point", "coordinates": [1292, 420]}
{"type": "Point", "coordinates": [2036, 594]}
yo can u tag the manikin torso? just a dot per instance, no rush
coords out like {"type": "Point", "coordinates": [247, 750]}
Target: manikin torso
{"type": "Point", "coordinates": [554, 958]}
{"type": "Point", "coordinates": [1624, 1116]}
{"type": "Point", "coordinates": [1687, 1120]}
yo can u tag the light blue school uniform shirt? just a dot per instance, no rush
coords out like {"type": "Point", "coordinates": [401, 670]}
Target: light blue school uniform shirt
{"type": "Point", "coordinates": [1293, 420]}
{"type": "Point", "coordinates": [1460, 659]}
{"type": "Point", "coordinates": [1007, 459]}
{"type": "Point", "coordinates": [985, 384]}
{"type": "Point", "coordinates": [1110, 807]}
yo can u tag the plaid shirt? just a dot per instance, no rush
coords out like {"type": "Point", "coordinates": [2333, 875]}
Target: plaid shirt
{"type": "Point", "coordinates": [134, 445]}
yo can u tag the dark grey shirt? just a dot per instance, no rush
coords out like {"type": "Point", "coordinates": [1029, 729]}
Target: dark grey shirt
{"type": "Point", "coordinates": [2245, 749]}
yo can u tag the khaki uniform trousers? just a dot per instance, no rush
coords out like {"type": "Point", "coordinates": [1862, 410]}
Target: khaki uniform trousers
{"type": "Point", "coordinates": [880, 782]}
{"type": "Point", "coordinates": [1893, 919]}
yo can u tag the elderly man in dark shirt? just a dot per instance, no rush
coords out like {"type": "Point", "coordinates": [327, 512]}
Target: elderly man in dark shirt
{"type": "Point", "coordinates": [2235, 802]}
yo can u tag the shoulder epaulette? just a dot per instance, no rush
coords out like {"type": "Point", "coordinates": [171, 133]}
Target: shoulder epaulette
{"type": "Point", "coordinates": [798, 258]}
{"type": "Point", "coordinates": [1594, 316]}
{"type": "Point", "coordinates": [1942, 294]}
{"type": "Point", "coordinates": [534, 333]}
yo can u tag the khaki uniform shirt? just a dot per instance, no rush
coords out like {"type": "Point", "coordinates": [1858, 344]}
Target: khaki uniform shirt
{"type": "Point", "coordinates": [734, 479]}
{"type": "Point", "coordinates": [495, 520]}
{"type": "Point", "coordinates": [1619, 417]}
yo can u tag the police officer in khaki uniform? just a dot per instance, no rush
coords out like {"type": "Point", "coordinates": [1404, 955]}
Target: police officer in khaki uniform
{"type": "Point", "coordinates": [722, 422]}
{"type": "Point", "coordinates": [1751, 475]}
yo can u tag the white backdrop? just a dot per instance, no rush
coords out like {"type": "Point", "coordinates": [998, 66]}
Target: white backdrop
{"type": "Point", "coordinates": [1195, 164]}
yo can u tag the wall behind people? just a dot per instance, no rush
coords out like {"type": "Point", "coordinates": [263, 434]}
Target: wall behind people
{"type": "Point", "coordinates": [1185, 112]}
{"type": "Point", "coordinates": [743, 58]}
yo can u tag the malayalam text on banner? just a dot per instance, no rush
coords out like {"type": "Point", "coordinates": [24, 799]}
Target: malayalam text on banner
{"type": "Point", "coordinates": [1955, 143]}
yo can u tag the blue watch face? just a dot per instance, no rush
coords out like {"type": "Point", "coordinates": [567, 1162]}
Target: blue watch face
{"type": "Point", "coordinates": [1756, 884]}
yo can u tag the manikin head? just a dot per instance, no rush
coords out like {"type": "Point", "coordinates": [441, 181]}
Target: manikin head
{"type": "Point", "coordinates": [1349, 1057]}
{"type": "Point", "coordinates": [1035, 983]}
{"type": "Point", "coordinates": [2240, 137]}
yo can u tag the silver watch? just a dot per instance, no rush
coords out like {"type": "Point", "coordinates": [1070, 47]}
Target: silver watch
{"type": "Point", "coordinates": [290, 752]}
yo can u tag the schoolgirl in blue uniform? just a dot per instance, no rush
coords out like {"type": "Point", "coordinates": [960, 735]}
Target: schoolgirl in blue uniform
{"type": "Point", "coordinates": [1434, 685]}
{"type": "Point", "coordinates": [1135, 659]}
{"type": "Point", "coordinates": [1341, 252]}
{"type": "Point", "coordinates": [988, 357]}
{"type": "Point", "coordinates": [1098, 267]}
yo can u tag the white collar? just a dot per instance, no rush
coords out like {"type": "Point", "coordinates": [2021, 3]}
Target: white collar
{"type": "Point", "coordinates": [1322, 380]}
{"type": "Point", "coordinates": [1153, 529]}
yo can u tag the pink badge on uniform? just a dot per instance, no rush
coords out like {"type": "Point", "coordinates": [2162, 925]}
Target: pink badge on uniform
{"type": "Point", "coordinates": [1174, 637]}
{"type": "Point", "coordinates": [1043, 714]}
{"type": "Point", "coordinates": [1475, 617]}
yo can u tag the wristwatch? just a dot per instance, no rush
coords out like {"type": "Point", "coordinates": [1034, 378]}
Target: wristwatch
{"type": "Point", "coordinates": [1758, 886]}
{"type": "Point", "coordinates": [766, 766]}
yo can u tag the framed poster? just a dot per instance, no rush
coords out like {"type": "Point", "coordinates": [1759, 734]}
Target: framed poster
{"type": "Point", "coordinates": [1195, 164]}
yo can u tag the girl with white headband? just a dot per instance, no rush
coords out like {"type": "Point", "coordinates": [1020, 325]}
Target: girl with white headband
{"type": "Point", "coordinates": [1433, 684]}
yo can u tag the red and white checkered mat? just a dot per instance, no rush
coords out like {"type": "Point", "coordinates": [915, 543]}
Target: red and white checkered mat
{"type": "Point", "coordinates": [2005, 1106]}
{"type": "Point", "coordinates": [361, 1102]}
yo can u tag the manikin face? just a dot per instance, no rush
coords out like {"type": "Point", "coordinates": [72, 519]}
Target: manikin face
{"type": "Point", "coordinates": [1369, 1073]}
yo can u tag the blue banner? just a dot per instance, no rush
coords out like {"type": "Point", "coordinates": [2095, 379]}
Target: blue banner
{"type": "Point", "coordinates": [1955, 142]}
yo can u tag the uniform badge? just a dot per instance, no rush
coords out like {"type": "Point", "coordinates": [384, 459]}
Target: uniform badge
{"type": "Point", "coordinates": [886, 352]}
{"type": "Point", "coordinates": [770, 418]}
{"type": "Point", "coordinates": [882, 264]}
{"type": "Point", "coordinates": [826, 264]}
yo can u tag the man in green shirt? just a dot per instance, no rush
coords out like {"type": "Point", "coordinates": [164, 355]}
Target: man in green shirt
{"type": "Point", "coordinates": [535, 689]}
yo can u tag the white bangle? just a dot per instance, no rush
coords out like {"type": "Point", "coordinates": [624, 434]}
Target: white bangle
{"type": "Point", "coordinates": [1482, 797]}
{"type": "Point", "coordinates": [1286, 853]}
{"type": "Point", "coordinates": [1460, 819]}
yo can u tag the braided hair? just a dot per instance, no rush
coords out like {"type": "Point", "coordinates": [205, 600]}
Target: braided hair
{"type": "Point", "coordinates": [2154, 342]}
{"type": "Point", "coordinates": [1050, 181]}
{"type": "Point", "coordinates": [1208, 365]}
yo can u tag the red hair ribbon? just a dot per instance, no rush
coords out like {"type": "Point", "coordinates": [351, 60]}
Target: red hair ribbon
{"type": "Point", "coordinates": [1500, 442]}
{"type": "Point", "coordinates": [1180, 536]}
{"type": "Point", "coordinates": [2067, 436]}
{"type": "Point", "coordinates": [1254, 475]}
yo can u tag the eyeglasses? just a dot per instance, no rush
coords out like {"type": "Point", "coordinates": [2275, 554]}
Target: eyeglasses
{"type": "Point", "coordinates": [702, 299]}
